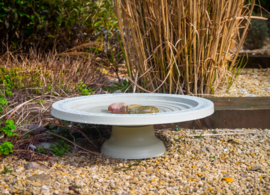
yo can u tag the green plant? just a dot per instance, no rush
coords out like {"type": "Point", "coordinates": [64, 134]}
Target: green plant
{"type": "Point", "coordinates": [41, 150]}
{"type": "Point", "coordinates": [65, 123]}
{"type": "Point", "coordinates": [124, 169]}
{"type": "Point", "coordinates": [6, 148]}
{"type": "Point", "coordinates": [242, 62]}
{"type": "Point", "coordinates": [123, 86]}
{"type": "Point", "coordinates": [78, 187]}
{"type": "Point", "coordinates": [10, 79]}
{"type": "Point", "coordinates": [3, 102]}
{"type": "Point", "coordinates": [6, 170]}
{"type": "Point", "coordinates": [213, 157]}
{"type": "Point", "coordinates": [257, 34]}
{"type": "Point", "coordinates": [9, 128]}
{"type": "Point", "coordinates": [27, 136]}
{"type": "Point", "coordinates": [82, 88]}
{"type": "Point", "coordinates": [176, 128]}
{"type": "Point", "coordinates": [199, 137]}
{"type": "Point", "coordinates": [5, 78]}
{"type": "Point", "coordinates": [60, 148]}
{"type": "Point", "coordinates": [87, 91]}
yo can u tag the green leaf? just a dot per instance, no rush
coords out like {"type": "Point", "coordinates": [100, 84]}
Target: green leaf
{"type": "Point", "coordinates": [6, 148]}
{"type": "Point", "coordinates": [39, 26]}
{"type": "Point", "coordinates": [2, 15]}
{"type": "Point", "coordinates": [21, 14]}
{"type": "Point", "coordinates": [51, 36]}
{"type": "Point", "coordinates": [6, 170]}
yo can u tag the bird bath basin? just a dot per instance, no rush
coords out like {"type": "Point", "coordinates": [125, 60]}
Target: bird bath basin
{"type": "Point", "coordinates": [133, 135]}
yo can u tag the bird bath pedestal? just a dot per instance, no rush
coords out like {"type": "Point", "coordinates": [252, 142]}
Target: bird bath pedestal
{"type": "Point", "coordinates": [133, 135]}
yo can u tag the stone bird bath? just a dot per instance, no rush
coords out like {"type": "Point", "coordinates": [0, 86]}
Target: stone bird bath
{"type": "Point", "coordinates": [132, 135]}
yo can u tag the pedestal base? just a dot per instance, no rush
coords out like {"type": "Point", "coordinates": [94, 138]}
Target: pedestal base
{"type": "Point", "coordinates": [133, 142]}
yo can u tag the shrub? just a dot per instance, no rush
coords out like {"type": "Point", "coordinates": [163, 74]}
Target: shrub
{"type": "Point", "coordinates": [52, 24]}
{"type": "Point", "coordinates": [257, 34]}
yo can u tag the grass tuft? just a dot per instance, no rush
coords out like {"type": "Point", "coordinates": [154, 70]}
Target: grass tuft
{"type": "Point", "coordinates": [182, 46]}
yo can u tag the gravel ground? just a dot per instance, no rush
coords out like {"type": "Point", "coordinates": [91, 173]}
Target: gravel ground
{"type": "Point", "coordinates": [250, 83]}
{"type": "Point", "coordinates": [222, 162]}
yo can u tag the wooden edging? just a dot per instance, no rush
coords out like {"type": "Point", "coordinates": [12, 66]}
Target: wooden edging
{"type": "Point", "coordinates": [258, 61]}
{"type": "Point", "coordinates": [233, 112]}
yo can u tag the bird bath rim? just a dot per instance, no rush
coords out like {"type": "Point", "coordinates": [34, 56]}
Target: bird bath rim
{"type": "Point", "coordinates": [190, 108]}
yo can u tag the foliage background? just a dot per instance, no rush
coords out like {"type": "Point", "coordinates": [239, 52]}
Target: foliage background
{"type": "Point", "coordinates": [53, 24]}
{"type": "Point", "coordinates": [264, 3]}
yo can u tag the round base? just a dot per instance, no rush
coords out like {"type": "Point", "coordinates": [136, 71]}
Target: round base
{"type": "Point", "coordinates": [133, 142]}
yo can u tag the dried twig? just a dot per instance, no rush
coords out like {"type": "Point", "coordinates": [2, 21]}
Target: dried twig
{"type": "Point", "coordinates": [95, 153]}
{"type": "Point", "coordinates": [73, 129]}
{"type": "Point", "coordinates": [76, 191]}
{"type": "Point", "coordinates": [176, 46]}
{"type": "Point", "coordinates": [16, 108]}
{"type": "Point", "coordinates": [255, 132]}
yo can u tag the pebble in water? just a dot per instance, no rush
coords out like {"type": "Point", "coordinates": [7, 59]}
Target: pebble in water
{"type": "Point", "coordinates": [118, 108]}
{"type": "Point", "coordinates": [143, 110]}
{"type": "Point", "coordinates": [133, 106]}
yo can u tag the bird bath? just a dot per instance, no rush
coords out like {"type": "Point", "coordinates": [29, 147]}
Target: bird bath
{"type": "Point", "coordinates": [132, 135]}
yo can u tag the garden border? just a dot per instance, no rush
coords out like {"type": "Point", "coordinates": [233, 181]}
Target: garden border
{"type": "Point", "coordinates": [232, 112]}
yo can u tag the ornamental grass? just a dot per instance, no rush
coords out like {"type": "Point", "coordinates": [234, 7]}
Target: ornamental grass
{"type": "Point", "coordinates": [183, 46]}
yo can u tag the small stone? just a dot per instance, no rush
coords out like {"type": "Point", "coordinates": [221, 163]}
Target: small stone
{"type": "Point", "coordinates": [5, 191]}
{"type": "Point", "coordinates": [25, 193]}
{"type": "Point", "coordinates": [118, 91]}
{"type": "Point", "coordinates": [118, 108]}
{"type": "Point", "coordinates": [267, 88]}
{"type": "Point", "coordinates": [44, 145]}
{"type": "Point", "coordinates": [42, 177]}
{"type": "Point", "coordinates": [133, 106]}
{"type": "Point", "coordinates": [34, 165]}
{"type": "Point", "coordinates": [35, 128]}
{"type": "Point", "coordinates": [256, 168]}
{"type": "Point", "coordinates": [143, 110]}
{"type": "Point", "coordinates": [210, 149]}
{"type": "Point", "coordinates": [249, 95]}
{"type": "Point", "coordinates": [32, 146]}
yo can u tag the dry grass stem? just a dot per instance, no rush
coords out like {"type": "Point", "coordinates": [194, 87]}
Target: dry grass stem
{"type": "Point", "coordinates": [182, 46]}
